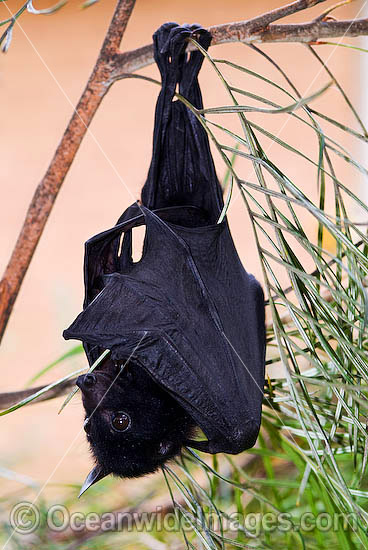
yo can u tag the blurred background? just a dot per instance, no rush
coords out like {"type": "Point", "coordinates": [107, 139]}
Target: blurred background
{"type": "Point", "coordinates": [41, 79]}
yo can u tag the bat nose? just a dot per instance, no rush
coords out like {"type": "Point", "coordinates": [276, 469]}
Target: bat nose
{"type": "Point", "coordinates": [86, 381]}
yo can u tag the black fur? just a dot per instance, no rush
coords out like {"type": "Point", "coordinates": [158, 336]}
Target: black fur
{"type": "Point", "coordinates": [159, 425]}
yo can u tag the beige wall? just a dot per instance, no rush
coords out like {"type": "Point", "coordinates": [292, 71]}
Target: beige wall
{"type": "Point", "coordinates": [41, 77]}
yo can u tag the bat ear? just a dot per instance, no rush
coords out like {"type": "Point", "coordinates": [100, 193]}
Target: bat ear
{"type": "Point", "coordinates": [95, 475]}
{"type": "Point", "coordinates": [165, 448]}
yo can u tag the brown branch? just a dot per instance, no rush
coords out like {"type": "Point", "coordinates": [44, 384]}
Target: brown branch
{"type": "Point", "coordinates": [112, 65]}
{"type": "Point", "coordinates": [9, 399]}
{"type": "Point", "coordinates": [248, 33]}
{"type": "Point", "coordinates": [262, 21]}
{"type": "Point", "coordinates": [47, 191]}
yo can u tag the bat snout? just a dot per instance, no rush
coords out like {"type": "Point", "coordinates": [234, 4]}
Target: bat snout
{"type": "Point", "coordinates": [86, 381]}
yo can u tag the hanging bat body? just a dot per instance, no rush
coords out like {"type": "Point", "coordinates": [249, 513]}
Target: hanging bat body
{"type": "Point", "coordinates": [185, 324]}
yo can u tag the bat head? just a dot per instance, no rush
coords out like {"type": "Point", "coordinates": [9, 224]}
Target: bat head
{"type": "Point", "coordinates": [133, 425]}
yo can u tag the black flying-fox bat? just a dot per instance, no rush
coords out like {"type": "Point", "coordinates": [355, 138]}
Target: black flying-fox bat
{"type": "Point", "coordinates": [187, 320]}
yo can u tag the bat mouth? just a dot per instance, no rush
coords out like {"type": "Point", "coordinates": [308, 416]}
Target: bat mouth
{"type": "Point", "coordinates": [136, 459]}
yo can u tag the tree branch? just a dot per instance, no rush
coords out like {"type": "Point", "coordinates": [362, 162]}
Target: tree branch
{"type": "Point", "coordinates": [245, 31]}
{"type": "Point", "coordinates": [47, 191]}
{"type": "Point", "coordinates": [9, 399]}
{"type": "Point", "coordinates": [112, 65]}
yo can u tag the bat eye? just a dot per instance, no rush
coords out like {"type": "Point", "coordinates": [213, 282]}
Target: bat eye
{"type": "Point", "coordinates": [117, 366]}
{"type": "Point", "coordinates": [87, 426]}
{"type": "Point", "coordinates": [120, 421]}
